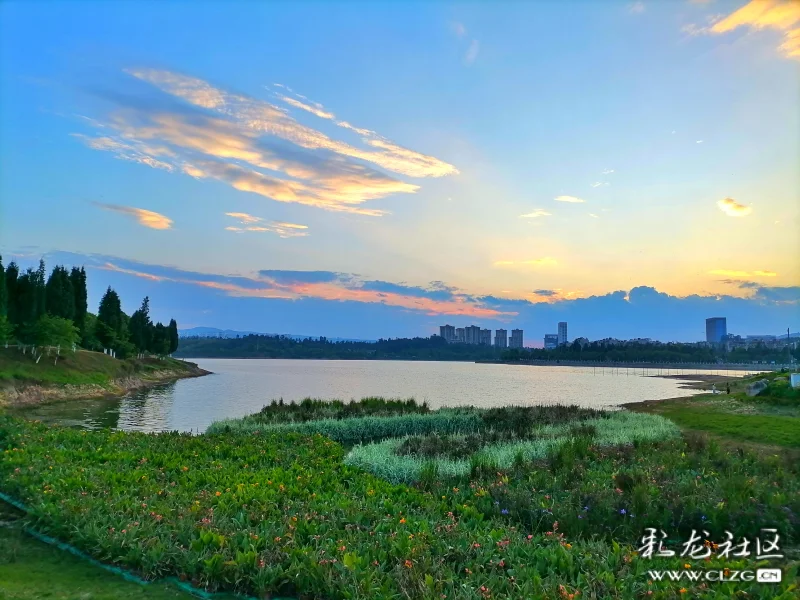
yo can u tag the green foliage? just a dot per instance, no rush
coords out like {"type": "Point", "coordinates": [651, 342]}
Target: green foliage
{"type": "Point", "coordinates": [311, 409]}
{"type": "Point", "coordinates": [32, 570]}
{"type": "Point", "coordinates": [110, 329]}
{"type": "Point", "coordinates": [3, 291]}
{"type": "Point", "coordinates": [265, 346]}
{"type": "Point", "coordinates": [140, 327]}
{"type": "Point", "coordinates": [6, 330]}
{"type": "Point", "coordinates": [356, 430]}
{"type": "Point", "coordinates": [281, 514]}
{"type": "Point", "coordinates": [78, 279]}
{"type": "Point", "coordinates": [60, 295]}
{"type": "Point", "coordinates": [82, 368]}
{"type": "Point", "coordinates": [11, 277]}
{"type": "Point", "coordinates": [55, 331]}
{"type": "Point", "coordinates": [174, 338]}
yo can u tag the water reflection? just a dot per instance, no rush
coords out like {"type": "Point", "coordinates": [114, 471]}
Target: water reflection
{"type": "Point", "coordinates": [239, 387]}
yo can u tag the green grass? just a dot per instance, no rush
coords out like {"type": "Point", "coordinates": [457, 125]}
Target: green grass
{"type": "Point", "coordinates": [33, 570]}
{"type": "Point", "coordinates": [764, 429]}
{"type": "Point", "coordinates": [79, 368]}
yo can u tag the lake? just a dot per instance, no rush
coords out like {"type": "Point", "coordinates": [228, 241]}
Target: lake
{"type": "Point", "coordinates": [243, 386]}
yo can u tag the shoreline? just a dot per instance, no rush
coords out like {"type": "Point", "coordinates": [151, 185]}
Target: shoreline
{"type": "Point", "coordinates": [26, 395]}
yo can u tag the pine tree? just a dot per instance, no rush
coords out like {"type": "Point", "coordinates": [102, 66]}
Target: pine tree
{"type": "Point", "coordinates": [78, 279]}
{"type": "Point", "coordinates": [110, 322]}
{"type": "Point", "coordinates": [60, 295]}
{"type": "Point", "coordinates": [160, 344]}
{"type": "Point", "coordinates": [3, 291]}
{"type": "Point", "coordinates": [12, 274]}
{"type": "Point", "coordinates": [40, 291]}
{"type": "Point", "coordinates": [140, 327]}
{"type": "Point", "coordinates": [173, 336]}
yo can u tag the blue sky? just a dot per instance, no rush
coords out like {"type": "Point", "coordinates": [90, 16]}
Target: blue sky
{"type": "Point", "coordinates": [507, 163]}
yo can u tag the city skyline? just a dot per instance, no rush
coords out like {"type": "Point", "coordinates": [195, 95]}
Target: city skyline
{"type": "Point", "coordinates": [380, 169]}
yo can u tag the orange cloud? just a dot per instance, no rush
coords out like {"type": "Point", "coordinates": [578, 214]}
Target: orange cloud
{"type": "Point", "coordinates": [147, 218]}
{"type": "Point", "coordinates": [343, 292]}
{"type": "Point", "coordinates": [727, 273]}
{"type": "Point", "coordinates": [733, 209]}
{"type": "Point", "coordinates": [257, 224]}
{"type": "Point", "coordinates": [783, 15]}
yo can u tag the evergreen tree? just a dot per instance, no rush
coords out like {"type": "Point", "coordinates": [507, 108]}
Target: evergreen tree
{"type": "Point", "coordinates": [60, 295]}
{"type": "Point", "coordinates": [173, 335]}
{"type": "Point", "coordinates": [78, 279]}
{"type": "Point", "coordinates": [160, 343]}
{"type": "Point", "coordinates": [40, 291]}
{"type": "Point", "coordinates": [140, 327]}
{"type": "Point", "coordinates": [11, 276]}
{"type": "Point", "coordinates": [3, 291]}
{"type": "Point", "coordinates": [110, 323]}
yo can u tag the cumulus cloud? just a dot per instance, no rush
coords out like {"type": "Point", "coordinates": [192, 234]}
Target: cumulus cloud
{"type": "Point", "coordinates": [536, 214]}
{"type": "Point", "coordinates": [257, 224]}
{"type": "Point", "coordinates": [733, 209]}
{"type": "Point", "coordinates": [781, 15]}
{"type": "Point", "coordinates": [147, 218]}
{"type": "Point", "coordinates": [569, 199]}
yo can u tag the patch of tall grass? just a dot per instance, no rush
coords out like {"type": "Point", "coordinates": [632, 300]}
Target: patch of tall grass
{"type": "Point", "coordinates": [360, 430]}
{"type": "Point", "coordinates": [620, 428]}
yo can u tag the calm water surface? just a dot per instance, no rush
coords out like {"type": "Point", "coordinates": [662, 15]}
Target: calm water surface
{"type": "Point", "coordinates": [240, 387]}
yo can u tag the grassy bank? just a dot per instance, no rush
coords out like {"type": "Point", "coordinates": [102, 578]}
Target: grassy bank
{"type": "Point", "coordinates": [279, 512]}
{"type": "Point", "coordinates": [771, 418]}
{"type": "Point", "coordinates": [32, 570]}
{"type": "Point", "coordinates": [82, 373]}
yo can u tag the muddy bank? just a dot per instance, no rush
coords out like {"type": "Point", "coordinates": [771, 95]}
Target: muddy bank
{"type": "Point", "coordinates": [25, 394]}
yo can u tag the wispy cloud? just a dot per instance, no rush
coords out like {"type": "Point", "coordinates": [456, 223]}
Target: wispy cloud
{"type": "Point", "coordinates": [257, 224]}
{"type": "Point", "coordinates": [573, 199]}
{"type": "Point", "coordinates": [600, 183]}
{"type": "Point", "coordinates": [636, 8]}
{"type": "Point", "coordinates": [729, 273]}
{"type": "Point", "coordinates": [782, 15]}
{"type": "Point", "coordinates": [699, 142]}
{"type": "Point", "coordinates": [472, 52]}
{"type": "Point", "coordinates": [594, 215]}
{"type": "Point", "coordinates": [533, 262]}
{"type": "Point", "coordinates": [314, 109]}
{"type": "Point", "coordinates": [734, 209]}
{"type": "Point", "coordinates": [608, 171]}
{"type": "Point", "coordinates": [258, 147]}
{"type": "Point", "coordinates": [323, 285]}
{"type": "Point", "coordinates": [147, 218]}
{"type": "Point", "coordinates": [535, 214]}
{"type": "Point", "coordinates": [459, 29]}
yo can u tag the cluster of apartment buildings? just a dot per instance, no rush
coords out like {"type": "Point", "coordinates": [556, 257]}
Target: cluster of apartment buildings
{"type": "Point", "coordinates": [554, 340]}
{"type": "Point", "coordinates": [717, 335]}
{"type": "Point", "coordinates": [481, 337]}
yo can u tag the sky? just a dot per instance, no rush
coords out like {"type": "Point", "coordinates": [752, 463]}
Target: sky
{"type": "Point", "coordinates": [377, 169]}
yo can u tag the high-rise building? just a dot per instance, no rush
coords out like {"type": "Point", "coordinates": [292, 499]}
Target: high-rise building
{"type": "Point", "coordinates": [550, 341]}
{"type": "Point", "coordinates": [448, 332]}
{"type": "Point", "coordinates": [516, 339]}
{"type": "Point", "coordinates": [501, 338]}
{"type": "Point", "coordinates": [562, 333]}
{"type": "Point", "coordinates": [716, 330]}
{"type": "Point", "coordinates": [460, 335]}
{"type": "Point", "coordinates": [485, 337]}
{"type": "Point", "coordinates": [472, 334]}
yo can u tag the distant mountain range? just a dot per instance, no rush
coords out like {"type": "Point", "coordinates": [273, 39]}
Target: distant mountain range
{"type": "Point", "coordinates": [213, 332]}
